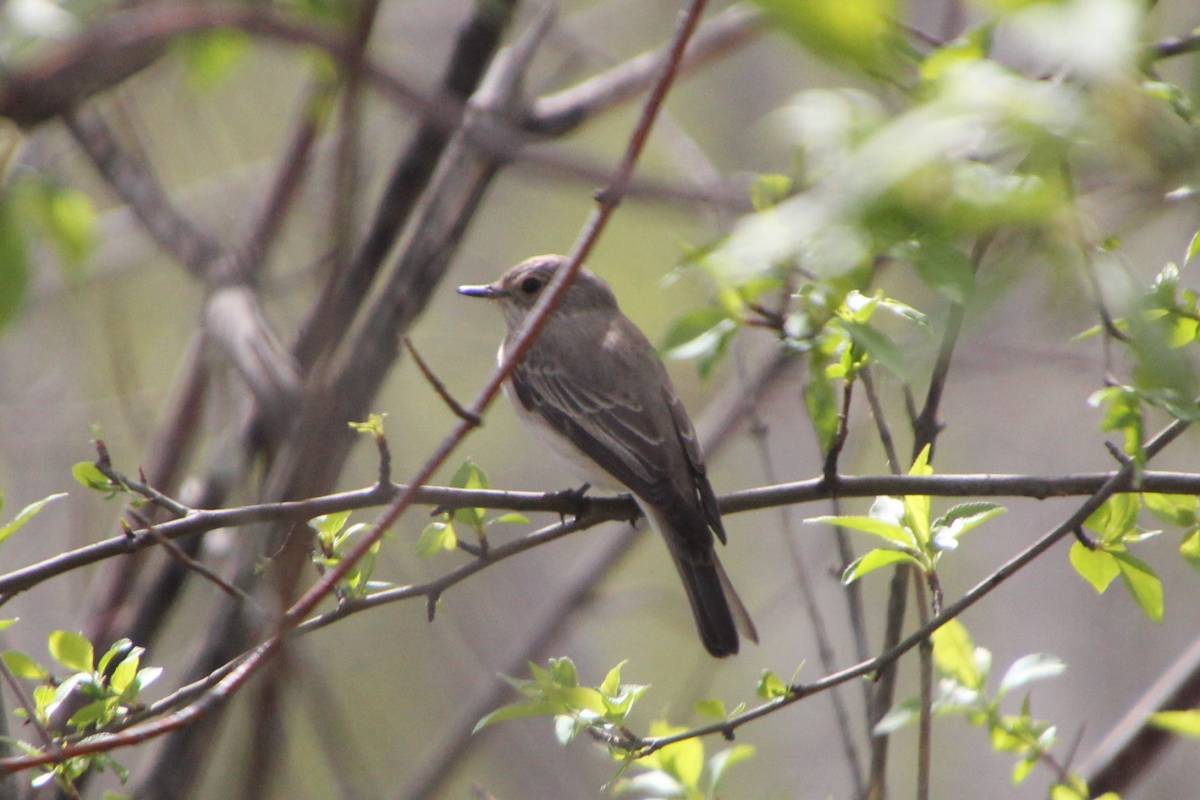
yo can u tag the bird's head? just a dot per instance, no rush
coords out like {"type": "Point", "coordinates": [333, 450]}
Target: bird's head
{"type": "Point", "coordinates": [518, 289]}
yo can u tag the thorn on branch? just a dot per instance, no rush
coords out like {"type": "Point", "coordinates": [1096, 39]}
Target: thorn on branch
{"type": "Point", "coordinates": [462, 413]}
{"type": "Point", "coordinates": [431, 602]}
{"type": "Point", "coordinates": [578, 500]}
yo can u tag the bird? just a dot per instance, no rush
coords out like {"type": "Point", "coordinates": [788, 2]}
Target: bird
{"type": "Point", "coordinates": [593, 389]}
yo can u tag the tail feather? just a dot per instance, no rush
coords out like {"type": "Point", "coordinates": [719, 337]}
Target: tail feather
{"type": "Point", "coordinates": [705, 593]}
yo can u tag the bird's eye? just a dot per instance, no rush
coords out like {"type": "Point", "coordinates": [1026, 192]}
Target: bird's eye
{"type": "Point", "coordinates": [531, 285]}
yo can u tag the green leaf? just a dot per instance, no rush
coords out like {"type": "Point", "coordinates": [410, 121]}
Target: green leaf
{"type": "Point", "coordinates": [945, 269]}
{"type": "Point", "coordinates": [1097, 567]}
{"type": "Point", "coordinates": [917, 506]}
{"type": "Point", "coordinates": [884, 530]}
{"type": "Point", "coordinates": [873, 560]}
{"type": "Point", "coordinates": [126, 671]}
{"type": "Point", "coordinates": [1033, 667]}
{"type": "Point", "coordinates": [970, 47]}
{"type": "Point", "coordinates": [72, 650]}
{"type": "Point", "coordinates": [954, 654]}
{"type": "Point", "coordinates": [436, 538]}
{"type": "Point", "coordinates": [536, 708]}
{"type": "Point", "coordinates": [372, 426]}
{"type": "Point", "coordinates": [23, 666]}
{"type": "Point", "coordinates": [965, 517]}
{"type": "Point", "coordinates": [1116, 519]}
{"type": "Point", "coordinates": [470, 476]}
{"type": "Point", "coordinates": [684, 760]}
{"type": "Point", "coordinates": [688, 328]}
{"type": "Point", "coordinates": [90, 714]}
{"type": "Point", "coordinates": [71, 221]}
{"type": "Point", "coordinates": [211, 56]}
{"type": "Point", "coordinates": [1184, 723]}
{"type": "Point", "coordinates": [822, 408]}
{"type": "Point", "coordinates": [1143, 584]}
{"type": "Point", "coordinates": [511, 518]}
{"type": "Point", "coordinates": [720, 763]}
{"type": "Point", "coordinates": [1022, 769]}
{"type": "Point", "coordinates": [26, 514]}
{"type": "Point", "coordinates": [118, 648]}
{"type": "Point", "coordinates": [768, 190]}
{"type": "Point", "coordinates": [1189, 548]}
{"type": "Point", "coordinates": [858, 32]}
{"type": "Point", "coordinates": [14, 263]}
{"type": "Point", "coordinates": [713, 709]}
{"type": "Point", "coordinates": [328, 525]}
{"type": "Point", "coordinates": [89, 476]}
{"type": "Point", "coordinates": [882, 350]}
{"type": "Point", "coordinates": [1192, 249]}
{"type": "Point", "coordinates": [5, 624]}
{"type": "Point", "coordinates": [1173, 509]}
{"type": "Point", "coordinates": [898, 716]}
{"type": "Point", "coordinates": [770, 686]}
{"type": "Point", "coordinates": [612, 681]}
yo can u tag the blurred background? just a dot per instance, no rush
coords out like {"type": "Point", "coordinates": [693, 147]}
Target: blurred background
{"type": "Point", "coordinates": [374, 706]}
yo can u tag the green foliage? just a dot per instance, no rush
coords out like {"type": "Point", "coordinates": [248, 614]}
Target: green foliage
{"type": "Point", "coordinates": [25, 514]}
{"type": "Point", "coordinates": [554, 691]}
{"type": "Point", "coordinates": [676, 770]}
{"type": "Point", "coordinates": [110, 689]}
{"type": "Point", "coordinates": [679, 770]}
{"type": "Point", "coordinates": [854, 32]}
{"type": "Point", "coordinates": [964, 670]}
{"type": "Point", "coordinates": [372, 426]}
{"type": "Point", "coordinates": [212, 56]}
{"type": "Point", "coordinates": [442, 534]}
{"type": "Point", "coordinates": [1115, 526]}
{"type": "Point", "coordinates": [14, 263]}
{"type": "Point", "coordinates": [905, 525]}
{"type": "Point", "coordinates": [334, 540]}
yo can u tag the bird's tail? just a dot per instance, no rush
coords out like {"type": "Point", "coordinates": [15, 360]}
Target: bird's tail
{"type": "Point", "coordinates": [716, 607]}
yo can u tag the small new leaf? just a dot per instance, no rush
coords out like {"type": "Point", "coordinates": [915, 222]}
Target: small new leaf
{"type": "Point", "coordinates": [26, 514]}
{"type": "Point", "coordinates": [1097, 567]}
{"type": "Point", "coordinates": [873, 560]}
{"type": "Point", "coordinates": [72, 650]}
{"type": "Point", "coordinates": [1033, 667]}
{"type": "Point", "coordinates": [770, 686]}
{"type": "Point", "coordinates": [1143, 584]}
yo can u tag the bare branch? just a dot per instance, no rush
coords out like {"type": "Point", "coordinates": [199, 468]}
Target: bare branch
{"type": "Point", "coordinates": [439, 387]}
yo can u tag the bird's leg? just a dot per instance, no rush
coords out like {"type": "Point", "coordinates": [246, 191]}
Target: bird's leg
{"type": "Point", "coordinates": [577, 498]}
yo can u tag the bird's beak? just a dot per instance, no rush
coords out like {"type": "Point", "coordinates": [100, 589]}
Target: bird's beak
{"type": "Point", "coordinates": [487, 291]}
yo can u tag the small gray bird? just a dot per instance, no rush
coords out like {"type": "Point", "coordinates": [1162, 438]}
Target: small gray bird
{"type": "Point", "coordinates": [594, 390]}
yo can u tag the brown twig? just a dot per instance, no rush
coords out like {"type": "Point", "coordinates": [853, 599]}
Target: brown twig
{"type": "Point", "coordinates": [974, 595]}
{"type": "Point", "coordinates": [606, 203]}
{"type": "Point", "coordinates": [440, 388]}
{"type": "Point", "coordinates": [810, 490]}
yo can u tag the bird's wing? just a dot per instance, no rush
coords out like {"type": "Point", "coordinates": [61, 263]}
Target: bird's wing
{"type": "Point", "coordinates": [705, 497]}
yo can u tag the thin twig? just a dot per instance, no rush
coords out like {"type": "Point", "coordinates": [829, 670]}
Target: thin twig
{"type": "Point", "coordinates": [622, 507]}
{"type": "Point", "coordinates": [885, 433]}
{"type": "Point", "coordinates": [440, 388]}
{"type": "Point", "coordinates": [606, 203]}
{"type": "Point", "coordinates": [925, 724]}
{"type": "Point", "coordinates": [830, 470]}
{"type": "Point", "coordinates": [825, 654]}
{"type": "Point", "coordinates": [975, 594]}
